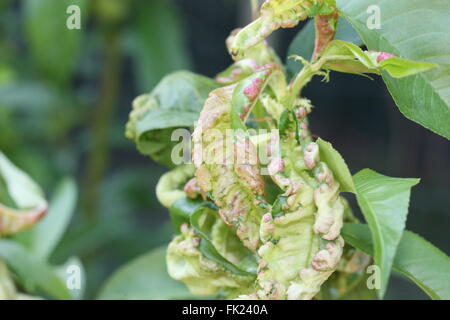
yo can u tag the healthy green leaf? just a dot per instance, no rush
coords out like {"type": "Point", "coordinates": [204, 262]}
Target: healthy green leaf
{"type": "Point", "coordinates": [53, 46]}
{"type": "Point", "coordinates": [417, 30]}
{"type": "Point", "coordinates": [175, 102]}
{"type": "Point", "coordinates": [337, 165]}
{"type": "Point", "coordinates": [384, 202]}
{"type": "Point", "coordinates": [416, 258]}
{"type": "Point", "coordinates": [33, 274]}
{"type": "Point", "coordinates": [43, 238]}
{"type": "Point", "coordinates": [144, 278]}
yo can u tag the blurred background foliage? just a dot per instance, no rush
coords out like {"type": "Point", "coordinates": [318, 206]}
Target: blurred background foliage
{"type": "Point", "coordinates": [65, 96]}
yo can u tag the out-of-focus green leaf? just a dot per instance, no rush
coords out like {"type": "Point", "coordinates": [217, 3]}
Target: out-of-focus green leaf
{"type": "Point", "coordinates": [303, 43]}
{"type": "Point", "coordinates": [337, 165]}
{"type": "Point", "coordinates": [158, 45]}
{"type": "Point", "coordinates": [73, 274]}
{"type": "Point", "coordinates": [21, 200]}
{"type": "Point", "coordinates": [170, 186]}
{"type": "Point", "coordinates": [32, 273]}
{"type": "Point", "coordinates": [175, 102]}
{"type": "Point", "coordinates": [416, 258]}
{"type": "Point", "coordinates": [144, 278]}
{"type": "Point", "coordinates": [44, 237]}
{"type": "Point", "coordinates": [417, 30]}
{"type": "Point", "coordinates": [247, 92]}
{"type": "Point", "coordinates": [384, 202]}
{"type": "Point", "coordinates": [54, 47]}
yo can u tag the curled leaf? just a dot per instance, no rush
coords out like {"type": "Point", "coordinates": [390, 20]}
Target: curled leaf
{"type": "Point", "coordinates": [227, 167]}
{"type": "Point", "coordinates": [174, 103]}
{"type": "Point", "coordinates": [275, 14]}
{"type": "Point", "coordinates": [22, 203]}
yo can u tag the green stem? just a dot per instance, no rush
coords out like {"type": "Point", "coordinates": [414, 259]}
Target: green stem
{"type": "Point", "coordinates": [100, 126]}
{"type": "Point", "coordinates": [310, 69]}
{"type": "Point", "coordinates": [255, 8]}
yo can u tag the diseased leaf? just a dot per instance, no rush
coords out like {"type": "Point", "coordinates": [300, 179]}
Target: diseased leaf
{"type": "Point", "coordinates": [416, 258]}
{"type": "Point", "coordinates": [337, 165]}
{"type": "Point", "coordinates": [417, 30]}
{"type": "Point", "coordinates": [275, 14]}
{"type": "Point", "coordinates": [32, 273]}
{"type": "Point", "coordinates": [144, 278]}
{"type": "Point", "coordinates": [194, 212]}
{"type": "Point", "coordinates": [69, 272]}
{"type": "Point", "coordinates": [247, 92]}
{"type": "Point", "coordinates": [175, 102]}
{"type": "Point", "coordinates": [206, 246]}
{"type": "Point", "coordinates": [181, 210]}
{"type": "Point", "coordinates": [384, 202]}
{"type": "Point", "coordinates": [21, 200]}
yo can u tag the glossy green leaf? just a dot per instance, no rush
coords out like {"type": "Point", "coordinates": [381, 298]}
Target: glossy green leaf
{"type": "Point", "coordinates": [181, 210]}
{"type": "Point", "coordinates": [32, 273]}
{"type": "Point", "coordinates": [384, 202]}
{"type": "Point", "coordinates": [44, 237]}
{"type": "Point", "coordinates": [144, 278]}
{"type": "Point", "coordinates": [303, 43]}
{"type": "Point", "coordinates": [417, 30]}
{"type": "Point", "coordinates": [21, 200]}
{"type": "Point", "coordinates": [53, 46]}
{"type": "Point", "coordinates": [175, 102]}
{"type": "Point", "coordinates": [416, 258]}
{"type": "Point", "coordinates": [337, 165]}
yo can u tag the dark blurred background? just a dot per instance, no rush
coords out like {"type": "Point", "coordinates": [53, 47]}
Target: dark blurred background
{"type": "Point", "coordinates": [65, 96]}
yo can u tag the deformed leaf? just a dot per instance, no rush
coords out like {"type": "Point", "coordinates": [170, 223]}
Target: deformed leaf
{"type": "Point", "coordinates": [46, 22]}
{"type": "Point", "coordinates": [247, 92]}
{"type": "Point", "coordinates": [303, 43]}
{"type": "Point", "coordinates": [45, 235]}
{"type": "Point", "coordinates": [32, 273]}
{"type": "Point", "coordinates": [275, 14]}
{"type": "Point", "coordinates": [22, 202]}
